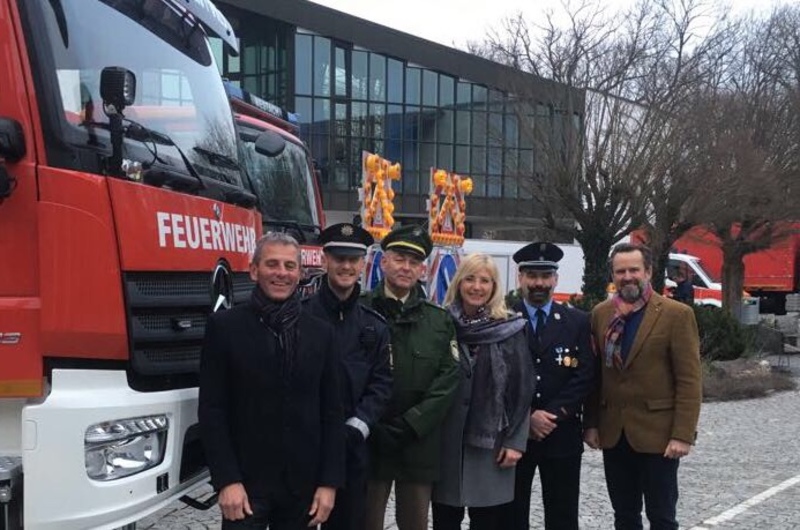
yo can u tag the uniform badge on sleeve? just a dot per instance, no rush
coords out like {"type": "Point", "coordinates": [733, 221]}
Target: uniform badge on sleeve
{"type": "Point", "coordinates": [454, 349]}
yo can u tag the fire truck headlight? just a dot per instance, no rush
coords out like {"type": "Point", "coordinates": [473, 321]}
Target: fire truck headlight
{"type": "Point", "coordinates": [120, 448]}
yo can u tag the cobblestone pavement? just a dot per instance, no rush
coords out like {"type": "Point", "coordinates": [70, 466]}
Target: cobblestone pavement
{"type": "Point", "coordinates": [744, 474]}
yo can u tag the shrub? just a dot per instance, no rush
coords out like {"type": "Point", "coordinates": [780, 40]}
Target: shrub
{"type": "Point", "coordinates": [722, 337]}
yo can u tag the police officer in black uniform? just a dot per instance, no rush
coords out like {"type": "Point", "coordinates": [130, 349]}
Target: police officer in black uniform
{"type": "Point", "coordinates": [363, 340]}
{"type": "Point", "coordinates": [559, 339]}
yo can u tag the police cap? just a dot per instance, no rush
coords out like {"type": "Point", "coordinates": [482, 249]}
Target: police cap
{"type": "Point", "coordinates": [539, 255]}
{"type": "Point", "coordinates": [345, 239]}
{"type": "Point", "coordinates": [410, 239]}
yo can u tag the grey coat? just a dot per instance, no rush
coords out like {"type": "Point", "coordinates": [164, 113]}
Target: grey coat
{"type": "Point", "coordinates": [470, 475]}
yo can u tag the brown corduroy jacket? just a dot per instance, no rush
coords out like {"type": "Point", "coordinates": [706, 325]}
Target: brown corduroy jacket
{"type": "Point", "coordinates": [656, 396]}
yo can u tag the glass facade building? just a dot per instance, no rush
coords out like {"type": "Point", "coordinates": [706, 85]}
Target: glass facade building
{"type": "Point", "coordinates": [351, 97]}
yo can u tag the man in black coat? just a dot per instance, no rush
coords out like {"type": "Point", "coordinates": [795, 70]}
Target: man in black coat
{"type": "Point", "coordinates": [270, 408]}
{"type": "Point", "coordinates": [362, 337]}
{"type": "Point", "coordinates": [559, 339]}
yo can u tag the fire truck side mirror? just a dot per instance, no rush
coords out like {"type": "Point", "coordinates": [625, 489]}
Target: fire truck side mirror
{"type": "Point", "coordinates": [271, 144]}
{"type": "Point", "coordinates": [117, 87]}
{"type": "Point", "coordinates": [12, 149]}
{"type": "Point", "coordinates": [12, 140]}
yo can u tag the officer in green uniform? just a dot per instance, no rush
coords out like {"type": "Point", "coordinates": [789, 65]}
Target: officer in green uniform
{"type": "Point", "coordinates": [406, 443]}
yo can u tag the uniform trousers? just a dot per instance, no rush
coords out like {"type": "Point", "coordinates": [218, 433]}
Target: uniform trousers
{"type": "Point", "coordinates": [632, 476]}
{"type": "Point", "coordinates": [560, 478]}
{"type": "Point", "coordinates": [412, 501]}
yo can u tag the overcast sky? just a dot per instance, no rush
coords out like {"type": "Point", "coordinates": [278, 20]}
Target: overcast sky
{"type": "Point", "coordinates": [453, 22]}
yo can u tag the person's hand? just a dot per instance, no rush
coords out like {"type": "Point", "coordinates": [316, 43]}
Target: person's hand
{"type": "Point", "coordinates": [677, 449]}
{"type": "Point", "coordinates": [591, 437]}
{"type": "Point", "coordinates": [233, 502]}
{"type": "Point", "coordinates": [353, 435]}
{"type": "Point", "coordinates": [542, 424]}
{"type": "Point", "coordinates": [508, 457]}
{"type": "Point", "coordinates": [321, 506]}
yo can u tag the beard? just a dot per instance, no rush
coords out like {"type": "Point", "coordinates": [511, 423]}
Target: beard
{"type": "Point", "coordinates": [539, 295]}
{"type": "Point", "coordinates": [631, 291]}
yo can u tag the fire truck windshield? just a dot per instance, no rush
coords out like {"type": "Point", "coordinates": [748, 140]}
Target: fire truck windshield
{"type": "Point", "coordinates": [177, 87]}
{"type": "Point", "coordinates": [283, 184]}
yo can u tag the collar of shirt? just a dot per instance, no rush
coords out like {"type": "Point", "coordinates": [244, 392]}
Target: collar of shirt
{"type": "Point", "coordinates": [389, 294]}
{"type": "Point", "coordinates": [532, 310]}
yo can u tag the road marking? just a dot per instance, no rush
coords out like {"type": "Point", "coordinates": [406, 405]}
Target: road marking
{"type": "Point", "coordinates": [740, 508]}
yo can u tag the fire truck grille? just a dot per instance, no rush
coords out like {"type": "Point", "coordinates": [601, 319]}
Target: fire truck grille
{"type": "Point", "coordinates": [167, 313]}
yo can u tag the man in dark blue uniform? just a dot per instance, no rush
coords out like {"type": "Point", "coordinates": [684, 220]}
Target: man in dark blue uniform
{"type": "Point", "coordinates": [559, 339]}
{"type": "Point", "coordinates": [362, 337]}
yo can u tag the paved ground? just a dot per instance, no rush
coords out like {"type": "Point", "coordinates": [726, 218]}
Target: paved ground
{"type": "Point", "coordinates": [743, 474]}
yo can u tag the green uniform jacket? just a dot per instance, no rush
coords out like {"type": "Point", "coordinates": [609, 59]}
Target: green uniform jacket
{"type": "Point", "coordinates": [426, 375]}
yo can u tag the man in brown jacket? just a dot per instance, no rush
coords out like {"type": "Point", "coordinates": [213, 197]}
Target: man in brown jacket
{"type": "Point", "coordinates": [645, 410]}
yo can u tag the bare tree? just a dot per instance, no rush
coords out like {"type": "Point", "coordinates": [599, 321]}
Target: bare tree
{"type": "Point", "coordinates": [746, 130]}
{"type": "Point", "coordinates": [611, 159]}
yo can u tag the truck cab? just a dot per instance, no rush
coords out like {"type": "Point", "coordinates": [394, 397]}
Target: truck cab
{"type": "Point", "coordinates": [279, 172]}
{"type": "Point", "coordinates": [124, 221]}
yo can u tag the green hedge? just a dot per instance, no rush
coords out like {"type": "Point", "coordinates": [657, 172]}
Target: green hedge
{"type": "Point", "coordinates": [722, 337]}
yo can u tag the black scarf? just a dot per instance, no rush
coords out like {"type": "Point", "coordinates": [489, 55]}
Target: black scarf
{"type": "Point", "coordinates": [281, 319]}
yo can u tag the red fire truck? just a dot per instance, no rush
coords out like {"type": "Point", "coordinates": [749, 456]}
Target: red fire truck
{"type": "Point", "coordinates": [280, 173]}
{"type": "Point", "coordinates": [123, 222]}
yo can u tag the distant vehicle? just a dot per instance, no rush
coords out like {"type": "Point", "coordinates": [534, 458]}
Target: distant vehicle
{"type": "Point", "coordinates": [279, 172]}
{"type": "Point", "coordinates": [769, 274]}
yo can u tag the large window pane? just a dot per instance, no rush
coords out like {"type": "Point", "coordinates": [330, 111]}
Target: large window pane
{"type": "Point", "coordinates": [430, 87]}
{"type": "Point", "coordinates": [410, 156]}
{"type": "Point", "coordinates": [478, 185]}
{"type": "Point", "coordinates": [444, 126]}
{"type": "Point", "coordinates": [302, 64]}
{"type": "Point", "coordinates": [478, 160]}
{"type": "Point", "coordinates": [495, 161]}
{"type": "Point", "coordinates": [413, 80]}
{"type": "Point", "coordinates": [464, 93]}
{"type": "Point", "coordinates": [411, 123]}
{"type": "Point", "coordinates": [510, 187]}
{"type": "Point", "coordinates": [495, 129]}
{"type": "Point", "coordinates": [322, 66]}
{"type": "Point", "coordinates": [377, 77]}
{"type": "Point", "coordinates": [478, 128]}
{"type": "Point", "coordinates": [394, 122]}
{"type": "Point", "coordinates": [394, 80]}
{"type": "Point", "coordinates": [302, 107]}
{"type": "Point", "coordinates": [462, 160]}
{"type": "Point", "coordinates": [446, 89]}
{"type": "Point", "coordinates": [479, 96]}
{"type": "Point", "coordinates": [444, 159]}
{"type": "Point", "coordinates": [427, 156]}
{"type": "Point", "coordinates": [462, 127]}
{"type": "Point", "coordinates": [511, 131]}
{"type": "Point", "coordinates": [359, 77]}
{"type": "Point", "coordinates": [340, 73]}
{"type": "Point", "coordinates": [358, 118]}
{"type": "Point", "coordinates": [494, 186]}
{"type": "Point", "coordinates": [377, 112]}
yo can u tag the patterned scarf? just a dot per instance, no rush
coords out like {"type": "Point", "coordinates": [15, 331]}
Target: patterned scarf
{"type": "Point", "coordinates": [281, 319]}
{"type": "Point", "coordinates": [487, 415]}
{"type": "Point", "coordinates": [616, 328]}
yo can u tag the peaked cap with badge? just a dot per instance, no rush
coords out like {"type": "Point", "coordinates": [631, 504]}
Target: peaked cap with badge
{"type": "Point", "coordinates": [345, 239]}
{"type": "Point", "coordinates": [410, 239]}
{"type": "Point", "coordinates": [540, 255]}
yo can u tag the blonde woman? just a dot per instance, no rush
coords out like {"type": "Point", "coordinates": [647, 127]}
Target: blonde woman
{"type": "Point", "coordinates": [486, 430]}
